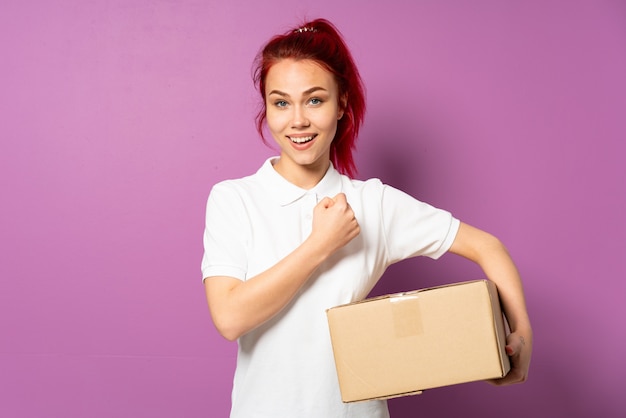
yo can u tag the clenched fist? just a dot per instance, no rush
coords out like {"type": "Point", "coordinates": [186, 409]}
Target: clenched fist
{"type": "Point", "coordinates": [334, 224]}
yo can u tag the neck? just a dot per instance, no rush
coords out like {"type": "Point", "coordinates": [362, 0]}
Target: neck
{"type": "Point", "coordinates": [304, 176]}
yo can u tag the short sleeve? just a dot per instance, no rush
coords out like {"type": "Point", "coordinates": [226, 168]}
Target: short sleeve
{"type": "Point", "coordinates": [226, 233]}
{"type": "Point", "coordinates": [414, 228]}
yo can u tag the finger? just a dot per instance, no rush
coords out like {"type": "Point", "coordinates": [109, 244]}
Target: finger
{"type": "Point", "coordinates": [516, 374]}
{"type": "Point", "coordinates": [514, 346]}
{"type": "Point", "coordinates": [340, 198]}
{"type": "Point", "coordinates": [327, 202]}
{"type": "Point", "coordinates": [511, 378]}
{"type": "Point", "coordinates": [510, 350]}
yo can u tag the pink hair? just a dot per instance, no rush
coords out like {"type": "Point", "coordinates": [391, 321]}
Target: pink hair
{"type": "Point", "coordinates": [320, 41]}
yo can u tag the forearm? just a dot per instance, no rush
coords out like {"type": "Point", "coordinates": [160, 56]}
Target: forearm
{"type": "Point", "coordinates": [493, 258]}
{"type": "Point", "coordinates": [489, 253]}
{"type": "Point", "coordinates": [240, 306]}
{"type": "Point", "coordinates": [500, 268]}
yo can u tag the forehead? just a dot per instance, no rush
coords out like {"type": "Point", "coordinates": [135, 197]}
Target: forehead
{"type": "Point", "coordinates": [293, 77]}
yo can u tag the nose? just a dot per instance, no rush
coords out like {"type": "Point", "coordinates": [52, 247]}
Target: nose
{"type": "Point", "coordinates": [300, 119]}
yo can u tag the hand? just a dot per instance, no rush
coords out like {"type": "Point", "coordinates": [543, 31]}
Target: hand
{"type": "Point", "coordinates": [519, 349]}
{"type": "Point", "coordinates": [334, 224]}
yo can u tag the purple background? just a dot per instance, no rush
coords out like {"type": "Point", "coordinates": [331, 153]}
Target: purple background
{"type": "Point", "coordinates": [117, 117]}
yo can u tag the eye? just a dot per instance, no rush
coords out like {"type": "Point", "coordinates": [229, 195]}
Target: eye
{"type": "Point", "coordinates": [280, 103]}
{"type": "Point", "coordinates": [315, 101]}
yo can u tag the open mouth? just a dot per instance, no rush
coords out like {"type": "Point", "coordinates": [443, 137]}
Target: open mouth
{"type": "Point", "coordinates": [301, 139]}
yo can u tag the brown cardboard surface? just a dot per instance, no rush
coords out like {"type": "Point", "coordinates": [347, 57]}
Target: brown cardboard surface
{"type": "Point", "coordinates": [404, 343]}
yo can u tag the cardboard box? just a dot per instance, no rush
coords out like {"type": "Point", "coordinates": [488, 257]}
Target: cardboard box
{"type": "Point", "coordinates": [401, 344]}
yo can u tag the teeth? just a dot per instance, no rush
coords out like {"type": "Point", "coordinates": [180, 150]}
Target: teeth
{"type": "Point", "coordinates": [301, 140]}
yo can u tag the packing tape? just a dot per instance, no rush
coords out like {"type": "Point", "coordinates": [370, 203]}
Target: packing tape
{"type": "Point", "coordinates": [407, 318]}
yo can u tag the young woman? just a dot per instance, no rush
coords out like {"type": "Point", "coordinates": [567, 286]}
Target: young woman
{"type": "Point", "coordinates": [300, 236]}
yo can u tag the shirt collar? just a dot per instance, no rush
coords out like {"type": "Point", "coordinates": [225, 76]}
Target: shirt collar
{"type": "Point", "coordinates": [285, 193]}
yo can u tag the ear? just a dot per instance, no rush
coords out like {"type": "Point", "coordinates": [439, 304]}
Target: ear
{"type": "Point", "coordinates": [343, 103]}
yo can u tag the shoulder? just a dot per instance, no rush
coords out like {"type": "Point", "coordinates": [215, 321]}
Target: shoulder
{"type": "Point", "coordinates": [263, 178]}
{"type": "Point", "coordinates": [374, 191]}
{"type": "Point", "coordinates": [238, 186]}
{"type": "Point", "coordinates": [368, 193]}
{"type": "Point", "coordinates": [232, 184]}
{"type": "Point", "coordinates": [369, 189]}
{"type": "Point", "coordinates": [231, 198]}
{"type": "Point", "coordinates": [372, 185]}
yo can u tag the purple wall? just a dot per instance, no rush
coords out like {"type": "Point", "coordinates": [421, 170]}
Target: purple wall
{"type": "Point", "coordinates": [117, 117]}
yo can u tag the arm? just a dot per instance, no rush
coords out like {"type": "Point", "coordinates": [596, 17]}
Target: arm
{"type": "Point", "coordinates": [491, 255]}
{"type": "Point", "coordinates": [239, 306]}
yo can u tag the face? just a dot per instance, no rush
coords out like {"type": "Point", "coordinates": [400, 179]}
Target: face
{"type": "Point", "coordinates": [302, 105]}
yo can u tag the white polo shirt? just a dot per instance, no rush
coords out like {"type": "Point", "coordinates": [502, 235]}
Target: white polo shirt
{"type": "Point", "coordinates": [285, 368]}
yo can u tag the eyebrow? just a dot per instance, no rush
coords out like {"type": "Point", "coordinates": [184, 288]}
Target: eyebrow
{"type": "Point", "coordinates": [306, 92]}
